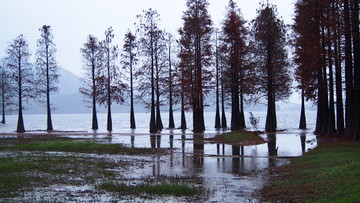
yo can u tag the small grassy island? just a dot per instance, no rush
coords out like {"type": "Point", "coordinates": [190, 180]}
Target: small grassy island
{"type": "Point", "coordinates": [243, 138]}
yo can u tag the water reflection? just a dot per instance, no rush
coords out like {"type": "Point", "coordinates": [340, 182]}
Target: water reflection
{"type": "Point", "coordinates": [198, 154]}
{"type": "Point", "coordinates": [273, 149]}
{"type": "Point", "coordinates": [155, 140]}
{"type": "Point", "coordinates": [303, 141]}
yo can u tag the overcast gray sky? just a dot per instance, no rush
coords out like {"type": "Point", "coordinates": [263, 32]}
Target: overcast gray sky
{"type": "Point", "coordinates": [73, 20]}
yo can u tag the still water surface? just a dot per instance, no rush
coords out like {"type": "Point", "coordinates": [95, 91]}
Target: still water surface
{"type": "Point", "coordinates": [231, 173]}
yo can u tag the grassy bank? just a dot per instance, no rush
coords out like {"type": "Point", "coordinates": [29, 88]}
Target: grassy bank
{"type": "Point", "coordinates": [330, 173]}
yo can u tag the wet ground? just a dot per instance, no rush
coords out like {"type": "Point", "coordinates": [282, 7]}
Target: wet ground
{"type": "Point", "coordinates": [228, 173]}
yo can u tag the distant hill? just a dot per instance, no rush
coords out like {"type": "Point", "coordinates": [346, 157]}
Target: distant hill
{"type": "Point", "coordinates": [70, 101]}
{"type": "Point", "coordinates": [69, 83]}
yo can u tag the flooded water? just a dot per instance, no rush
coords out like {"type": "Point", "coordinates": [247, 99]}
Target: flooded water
{"type": "Point", "coordinates": [288, 120]}
{"type": "Point", "coordinates": [230, 173]}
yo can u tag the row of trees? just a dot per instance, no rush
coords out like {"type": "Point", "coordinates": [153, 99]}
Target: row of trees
{"type": "Point", "coordinates": [240, 63]}
{"type": "Point", "coordinates": [327, 57]}
{"type": "Point", "coordinates": [20, 81]}
{"type": "Point", "coordinates": [243, 64]}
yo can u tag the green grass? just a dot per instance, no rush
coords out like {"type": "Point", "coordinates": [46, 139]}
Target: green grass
{"type": "Point", "coordinates": [239, 136]}
{"type": "Point", "coordinates": [11, 174]}
{"type": "Point", "coordinates": [330, 173]}
{"type": "Point", "coordinates": [67, 146]}
{"type": "Point", "coordinates": [25, 172]}
{"type": "Point", "coordinates": [174, 189]}
{"type": "Point", "coordinates": [82, 147]}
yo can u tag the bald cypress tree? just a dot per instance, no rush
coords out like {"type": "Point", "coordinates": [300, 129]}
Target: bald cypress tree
{"type": "Point", "coordinates": [274, 82]}
{"type": "Point", "coordinates": [92, 59]}
{"type": "Point", "coordinates": [196, 58]}
{"type": "Point", "coordinates": [234, 46]}
{"type": "Point", "coordinates": [112, 88]}
{"type": "Point", "coordinates": [22, 78]}
{"type": "Point", "coordinates": [129, 60]}
{"type": "Point", "coordinates": [47, 69]}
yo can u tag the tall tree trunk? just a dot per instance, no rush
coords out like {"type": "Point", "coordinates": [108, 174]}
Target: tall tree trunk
{"type": "Point", "coordinates": [302, 124]}
{"type": "Point", "coordinates": [223, 115]}
{"type": "Point", "coordinates": [356, 42]}
{"type": "Point", "coordinates": [235, 102]}
{"type": "Point", "coordinates": [171, 117]}
{"type": "Point", "coordinates": [183, 119]}
{"type": "Point", "coordinates": [152, 113]}
{"type": "Point", "coordinates": [49, 120]}
{"type": "Point", "coordinates": [242, 113]}
{"type": "Point", "coordinates": [217, 111]}
{"type": "Point", "coordinates": [198, 111]}
{"type": "Point", "coordinates": [171, 111]}
{"type": "Point", "coordinates": [132, 113]}
{"type": "Point", "coordinates": [2, 96]}
{"type": "Point", "coordinates": [323, 103]}
{"type": "Point", "coordinates": [270, 125]}
{"type": "Point", "coordinates": [20, 125]}
{"type": "Point", "coordinates": [338, 76]}
{"type": "Point", "coordinates": [158, 121]}
{"type": "Point", "coordinates": [109, 119]}
{"type": "Point", "coordinates": [348, 70]}
{"type": "Point", "coordinates": [235, 112]}
{"type": "Point", "coordinates": [331, 117]}
{"type": "Point", "coordinates": [320, 83]}
{"type": "Point", "coordinates": [95, 125]}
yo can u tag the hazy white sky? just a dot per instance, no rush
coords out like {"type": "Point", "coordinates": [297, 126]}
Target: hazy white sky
{"type": "Point", "coordinates": [73, 20]}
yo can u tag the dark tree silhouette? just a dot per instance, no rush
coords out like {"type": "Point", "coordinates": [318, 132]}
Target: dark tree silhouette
{"type": "Point", "coordinates": [2, 84]}
{"type": "Point", "coordinates": [92, 59]}
{"type": "Point", "coordinates": [217, 82]}
{"type": "Point", "coordinates": [356, 67]}
{"type": "Point", "coordinates": [234, 35]}
{"type": "Point", "coordinates": [324, 37]}
{"type": "Point", "coordinates": [181, 76]}
{"type": "Point", "coordinates": [170, 79]}
{"type": "Point", "coordinates": [151, 48]}
{"type": "Point", "coordinates": [129, 57]}
{"type": "Point", "coordinates": [112, 87]}
{"type": "Point", "coordinates": [47, 69]}
{"type": "Point", "coordinates": [271, 60]}
{"type": "Point", "coordinates": [196, 58]}
{"type": "Point", "coordinates": [349, 116]}
{"type": "Point", "coordinates": [306, 54]}
{"type": "Point", "coordinates": [21, 73]}
{"type": "Point", "coordinates": [337, 27]}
